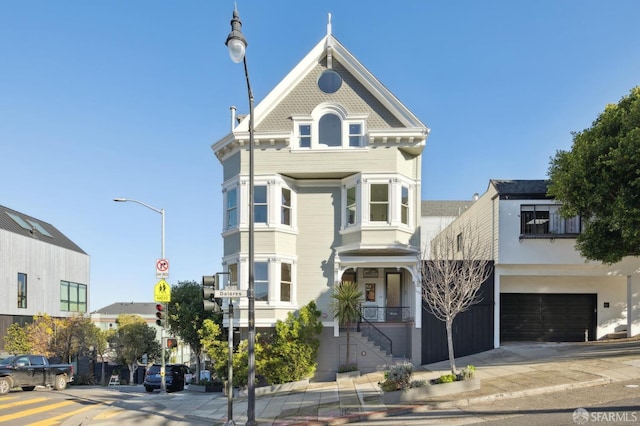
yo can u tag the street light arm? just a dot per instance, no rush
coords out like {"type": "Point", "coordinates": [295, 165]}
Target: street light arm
{"type": "Point", "coordinates": [122, 200]}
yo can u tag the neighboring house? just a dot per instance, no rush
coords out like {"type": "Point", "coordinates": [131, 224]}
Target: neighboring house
{"type": "Point", "coordinates": [545, 290]}
{"type": "Point", "coordinates": [106, 319]}
{"type": "Point", "coordinates": [437, 215]}
{"type": "Point", "coordinates": [42, 271]}
{"type": "Point", "coordinates": [337, 197]}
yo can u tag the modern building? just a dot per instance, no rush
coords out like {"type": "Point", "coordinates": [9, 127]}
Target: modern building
{"type": "Point", "coordinates": [544, 289]}
{"type": "Point", "coordinates": [337, 197]}
{"type": "Point", "coordinates": [42, 271]}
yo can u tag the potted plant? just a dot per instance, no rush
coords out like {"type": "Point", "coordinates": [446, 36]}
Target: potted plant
{"type": "Point", "coordinates": [345, 306]}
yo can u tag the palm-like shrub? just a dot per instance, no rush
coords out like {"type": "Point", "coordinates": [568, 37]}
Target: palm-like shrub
{"type": "Point", "coordinates": [345, 306]}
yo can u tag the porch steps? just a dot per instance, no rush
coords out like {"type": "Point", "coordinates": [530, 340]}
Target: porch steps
{"type": "Point", "coordinates": [379, 352]}
{"type": "Point", "coordinates": [616, 335]}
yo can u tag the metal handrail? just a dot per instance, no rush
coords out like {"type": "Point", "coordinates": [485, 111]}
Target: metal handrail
{"type": "Point", "coordinates": [378, 337]}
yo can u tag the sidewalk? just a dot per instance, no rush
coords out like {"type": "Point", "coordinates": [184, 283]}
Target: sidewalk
{"type": "Point", "coordinates": [512, 371]}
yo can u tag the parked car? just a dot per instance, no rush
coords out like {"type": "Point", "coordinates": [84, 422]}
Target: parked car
{"type": "Point", "coordinates": [29, 371]}
{"type": "Point", "coordinates": [175, 377]}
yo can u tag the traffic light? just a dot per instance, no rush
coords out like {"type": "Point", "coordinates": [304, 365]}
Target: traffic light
{"type": "Point", "coordinates": [209, 286]}
{"type": "Point", "coordinates": [160, 315]}
{"type": "Point", "coordinates": [172, 343]}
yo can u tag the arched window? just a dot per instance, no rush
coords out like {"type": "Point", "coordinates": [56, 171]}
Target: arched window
{"type": "Point", "coordinates": [330, 130]}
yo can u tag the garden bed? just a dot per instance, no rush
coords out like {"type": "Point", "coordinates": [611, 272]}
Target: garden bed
{"type": "Point", "coordinates": [425, 392]}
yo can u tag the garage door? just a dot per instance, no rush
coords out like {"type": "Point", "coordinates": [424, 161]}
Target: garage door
{"type": "Point", "coordinates": [547, 317]}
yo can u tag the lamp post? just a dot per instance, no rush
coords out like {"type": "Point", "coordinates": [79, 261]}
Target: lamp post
{"type": "Point", "coordinates": [163, 386]}
{"type": "Point", "coordinates": [237, 45]}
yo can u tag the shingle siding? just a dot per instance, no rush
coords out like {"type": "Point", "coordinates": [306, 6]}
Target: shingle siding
{"type": "Point", "coordinates": [303, 98]}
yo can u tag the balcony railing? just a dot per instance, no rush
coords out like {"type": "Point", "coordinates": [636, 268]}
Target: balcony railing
{"type": "Point", "coordinates": [386, 314]}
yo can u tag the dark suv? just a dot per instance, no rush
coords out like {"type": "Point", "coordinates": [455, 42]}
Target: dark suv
{"type": "Point", "coordinates": [175, 377]}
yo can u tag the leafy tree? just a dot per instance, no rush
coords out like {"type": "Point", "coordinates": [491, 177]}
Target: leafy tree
{"type": "Point", "coordinates": [74, 336]}
{"type": "Point", "coordinates": [17, 341]}
{"type": "Point", "coordinates": [132, 339]}
{"type": "Point", "coordinates": [453, 275]}
{"type": "Point", "coordinates": [345, 306]}
{"type": "Point", "coordinates": [599, 179]}
{"type": "Point", "coordinates": [218, 352]}
{"type": "Point", "coordinates": [187, 315]}
{"type": "Point", "coordinates": [42, 334]}
{"type": "Point", "coordinates": [292, 350]}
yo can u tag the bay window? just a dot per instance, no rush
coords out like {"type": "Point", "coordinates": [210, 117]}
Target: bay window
{"type": "Point", "coordinates": [260, 204]}
{"type": "Point", "coordinates": [379, 203]}
{"type": "Point", "coordinates": [261, 281]}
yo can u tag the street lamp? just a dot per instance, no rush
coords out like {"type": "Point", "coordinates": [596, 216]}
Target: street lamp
{"type": "Point", "coordinates": [163, 386]}
{"type": "Point", "coordinates": [237, 45]}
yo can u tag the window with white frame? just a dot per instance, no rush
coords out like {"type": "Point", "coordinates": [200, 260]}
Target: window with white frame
{"type": "Point", "coordinates": [352, 206]}
{"type": "Point", "coordinates": [261, 281]}
{"type": "Point", "coordinates": [330, 131]}
{"type": "Point", "coordinates": [404, 205]}
{"type": "Point", "coordinates": [260, 204]}
{"type": "Point", "coordinates": [285, 207]}
{"type": "Point", "coordinates": [231, 217]}
{"type": "Point", "coordinates": [304, 135]}
{"type": "Point", "coordinates": [232, 276]}
{"type": "Point", "coordinates": [379, 202]}
{"type": "Point", "coordinates": [355, 135]}
{"type": "Point", "coordinates": [285, 282]}
{"type": "Point", "coordinates": [329, 126]}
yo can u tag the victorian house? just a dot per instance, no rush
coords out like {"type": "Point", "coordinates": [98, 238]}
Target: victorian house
{"type": "Point", "coordinates": [337, 173]}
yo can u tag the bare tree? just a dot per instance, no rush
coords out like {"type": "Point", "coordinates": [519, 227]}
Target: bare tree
{"type": "Point", "coordinates": [452, 276]}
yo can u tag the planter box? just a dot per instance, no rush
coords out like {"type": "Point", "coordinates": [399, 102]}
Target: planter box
{"type": "Point", "coordinates": [430, 391]}
{"type": "Point", "coordinates": [348, 375]}
{"type": "Point", "coordinates": [213, 387]}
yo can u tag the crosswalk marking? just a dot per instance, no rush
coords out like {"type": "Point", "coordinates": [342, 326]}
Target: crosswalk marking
{"type": "Point", "coordinates": [31, 411]}
{"type": "Point", "coordinates": [24, 402]}
{"type": "Point", "coordinates": [56, 420]}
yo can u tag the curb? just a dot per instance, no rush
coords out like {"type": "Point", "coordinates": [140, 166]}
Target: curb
{"type": "Point", "coordinates": [408, 409]}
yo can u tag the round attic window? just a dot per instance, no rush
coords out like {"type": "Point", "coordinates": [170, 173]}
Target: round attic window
{"type": "Point", "coordinates": [330, 81]}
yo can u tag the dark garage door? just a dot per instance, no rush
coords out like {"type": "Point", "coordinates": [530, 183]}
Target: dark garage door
{"type": "Point", "coordinates": [547, 317]}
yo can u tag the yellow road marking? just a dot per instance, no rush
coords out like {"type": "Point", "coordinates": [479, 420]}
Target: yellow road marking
{"type": "Point", "coordinates": [42, 409]}
{"type": "Point", "coordinates": [55, 420]}
{"type": "Point", "coordinates": [107, 414]}
{"type": "Point", "coordinates": [25, 402]}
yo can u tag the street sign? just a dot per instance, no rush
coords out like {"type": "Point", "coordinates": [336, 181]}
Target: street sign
{"type": "Point", "coordinates": [229, 293]}
{"type": "Point", "coordinates": [162, 269]}
{"type": "Point", "coordinates": [162, 292]}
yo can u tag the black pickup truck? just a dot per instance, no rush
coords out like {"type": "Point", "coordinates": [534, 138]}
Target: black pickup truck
{"type": "Point", "coordinates": [29, 371]}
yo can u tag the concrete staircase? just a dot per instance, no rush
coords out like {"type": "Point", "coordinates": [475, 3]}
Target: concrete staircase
{"type": "Point", "coordinates": [620, 333]}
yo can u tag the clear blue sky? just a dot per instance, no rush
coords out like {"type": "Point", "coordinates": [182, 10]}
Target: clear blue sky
{"type": "Point", "coordinates": [104, 99]}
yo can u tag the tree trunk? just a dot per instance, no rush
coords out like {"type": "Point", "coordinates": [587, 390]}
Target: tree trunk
{"type": "Point", "coordinates": [348, 350]}
{"type": "Point", "coordinates": [131, 368]}
{"type": "Point", "coordinates": [452, 359]}
{"type": "Point", "coordinates": [102, 370]}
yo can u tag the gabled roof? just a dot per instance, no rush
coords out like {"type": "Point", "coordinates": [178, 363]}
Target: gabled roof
{"type": "Point", "coordinates": [22, 224]}
{"type": "Point", "coordinates": [139, 308]}
{"type": "Point", "coordinates": [440, 208]}
{"type": "Point", "coordinates": [331, 50]}
{"type": "Point", "coordinates": [521, 189]}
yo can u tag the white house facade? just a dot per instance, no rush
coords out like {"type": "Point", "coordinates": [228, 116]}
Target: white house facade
{"type": "Point", "coordinates": [42, 271]}
{"type": "Point", "coordinates": [337, 197]}
{"type": "Point", "coordinates": [545, 290]}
